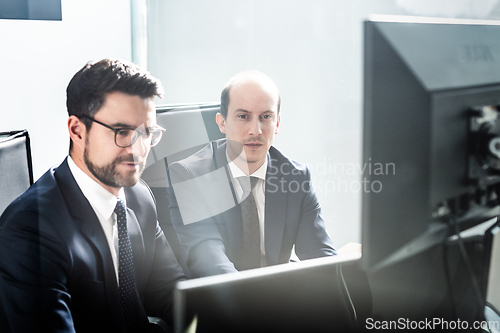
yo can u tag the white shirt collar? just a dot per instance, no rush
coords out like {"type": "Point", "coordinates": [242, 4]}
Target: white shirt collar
{"type": "Point", "coordinates": [99, 198]}
{"type": "Point", "coordinates": [237, 172]}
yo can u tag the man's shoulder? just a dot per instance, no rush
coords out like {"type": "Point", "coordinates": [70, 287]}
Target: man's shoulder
{"type": "Point", "coordinates": [141, 200]}
{"type": "Point", "coordinates": [42, 200]}
{"type": "Point", "coordinates": [140, 194]}
{"type": "Point", "coordinates": [38, 195]}
{"type": "Point", "coordinates": [202, 161]}
{"type": "Point", "coordinates": [285, 165]}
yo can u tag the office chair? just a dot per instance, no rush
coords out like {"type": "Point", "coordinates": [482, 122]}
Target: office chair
{"type": "Point", "coordinates": [188, 129]}
{"type": "Point", "coordinates": [16, 171]}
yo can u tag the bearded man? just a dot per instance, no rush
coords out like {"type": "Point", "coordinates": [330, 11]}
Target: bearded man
{"type": "Point", "coordinates": [81, 250]}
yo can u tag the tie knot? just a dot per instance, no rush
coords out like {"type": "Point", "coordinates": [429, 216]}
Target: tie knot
{"type": "Point", "coordinates": [120, 208]}
{"type": "Point", "coordinates": [248, 183]}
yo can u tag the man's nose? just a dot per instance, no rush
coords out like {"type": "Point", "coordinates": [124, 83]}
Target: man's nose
{"type": "Point", "coordinates": [140, 146]}
{"type": "Point", "coordinates": [255, 127]}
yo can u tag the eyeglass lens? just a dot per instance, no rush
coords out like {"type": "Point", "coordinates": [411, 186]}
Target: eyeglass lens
{"type": "Point", "coordinates": [127, 137]}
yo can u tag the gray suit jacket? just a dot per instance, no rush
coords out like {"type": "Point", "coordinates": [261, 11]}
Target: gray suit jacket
{"type": "Point", "coordinates": [207, 217]}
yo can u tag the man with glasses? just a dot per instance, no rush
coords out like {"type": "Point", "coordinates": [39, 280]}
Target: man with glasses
{"type": "Point", "coordinates": [81, 250]}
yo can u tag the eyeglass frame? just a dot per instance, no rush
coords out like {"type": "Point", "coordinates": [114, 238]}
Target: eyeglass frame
{"type": "Point", "coordinates": [116, 130]}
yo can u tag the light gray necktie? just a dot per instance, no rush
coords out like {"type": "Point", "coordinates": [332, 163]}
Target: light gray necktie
{"type": "Point", "coordinates": [250, 232]}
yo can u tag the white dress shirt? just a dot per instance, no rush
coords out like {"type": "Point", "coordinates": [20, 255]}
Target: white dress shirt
{"type": "Point", "coordinates": [103, 203]}
{"type": "Point", "coordinates": [259, 193]}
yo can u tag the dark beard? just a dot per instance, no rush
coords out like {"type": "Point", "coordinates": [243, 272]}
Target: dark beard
{"type": "Point", "coordinates": [108, 174]}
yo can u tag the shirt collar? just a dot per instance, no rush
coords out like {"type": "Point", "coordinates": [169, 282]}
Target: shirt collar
{"type": "Point", "coordinates": [99, 198]}
{"type": "Point", "coordinates": [237, 172]}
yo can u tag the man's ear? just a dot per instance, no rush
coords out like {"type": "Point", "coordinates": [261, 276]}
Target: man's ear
{"type": "Point", "coordinates": [77, 131]}
{"type": "Point", "coordinates": [221, 121]}
{"type": "Point", "coordinates": [277, 125]}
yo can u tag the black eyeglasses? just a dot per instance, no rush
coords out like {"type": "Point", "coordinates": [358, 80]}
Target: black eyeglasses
{"type": "Point", "coordinates": [127, 136]}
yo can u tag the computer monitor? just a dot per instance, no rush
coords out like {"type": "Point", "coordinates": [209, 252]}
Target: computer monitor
{"type": "Point", "coordinates": [317, 295]}
{"type": "Point", "coordinates": [431, 146]}
{"type": "Point", "coordinates": [493, 278]}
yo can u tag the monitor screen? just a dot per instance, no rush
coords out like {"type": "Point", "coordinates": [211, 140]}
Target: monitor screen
{"type": "Point", "coordinates": [310, 296]}
{"type": "Point", "coordinates": [431, 146]}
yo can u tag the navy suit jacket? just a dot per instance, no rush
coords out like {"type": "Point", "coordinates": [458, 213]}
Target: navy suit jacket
{"type": "Point", "coordinates": [206, 215]}
{"type": "Point", "coordinates": [56, 269]}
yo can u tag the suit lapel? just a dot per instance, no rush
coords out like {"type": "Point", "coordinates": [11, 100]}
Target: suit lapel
{"type": "Point", "coordinates": [137, 240]}
{"type": "Point", "coordinates": [85, 217]}
{"type": "Point", "coordinates": [232, 217]}
{"type": "Point", "coordinates": [232, 221]}
{"type": "Point", "coordinates": [275, 212]}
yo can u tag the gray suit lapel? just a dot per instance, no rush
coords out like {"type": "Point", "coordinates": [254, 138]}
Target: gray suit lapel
{"type": "Point", "coordinates": [137, 240]}
{"type": "Point", "coordinates": [275, 216]}
{"type": "Point", "coordinates": [232, 217]}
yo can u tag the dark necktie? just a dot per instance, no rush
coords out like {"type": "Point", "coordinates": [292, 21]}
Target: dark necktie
{"type": "Point", "coordinates": [126, 276]}
{"type": "Point", "coordinates": [250, 231]}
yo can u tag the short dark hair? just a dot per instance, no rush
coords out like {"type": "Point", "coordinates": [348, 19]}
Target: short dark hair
{"type": "Point", "coordinates": [87, 89]}
{"type": "Point", "coordinates": [224, 96]}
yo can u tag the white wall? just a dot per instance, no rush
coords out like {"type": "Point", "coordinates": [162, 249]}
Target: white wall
{"type": "Point", "coordinates": [39, 58]}
{"type": "Point", "coordinates": [312, 50]}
